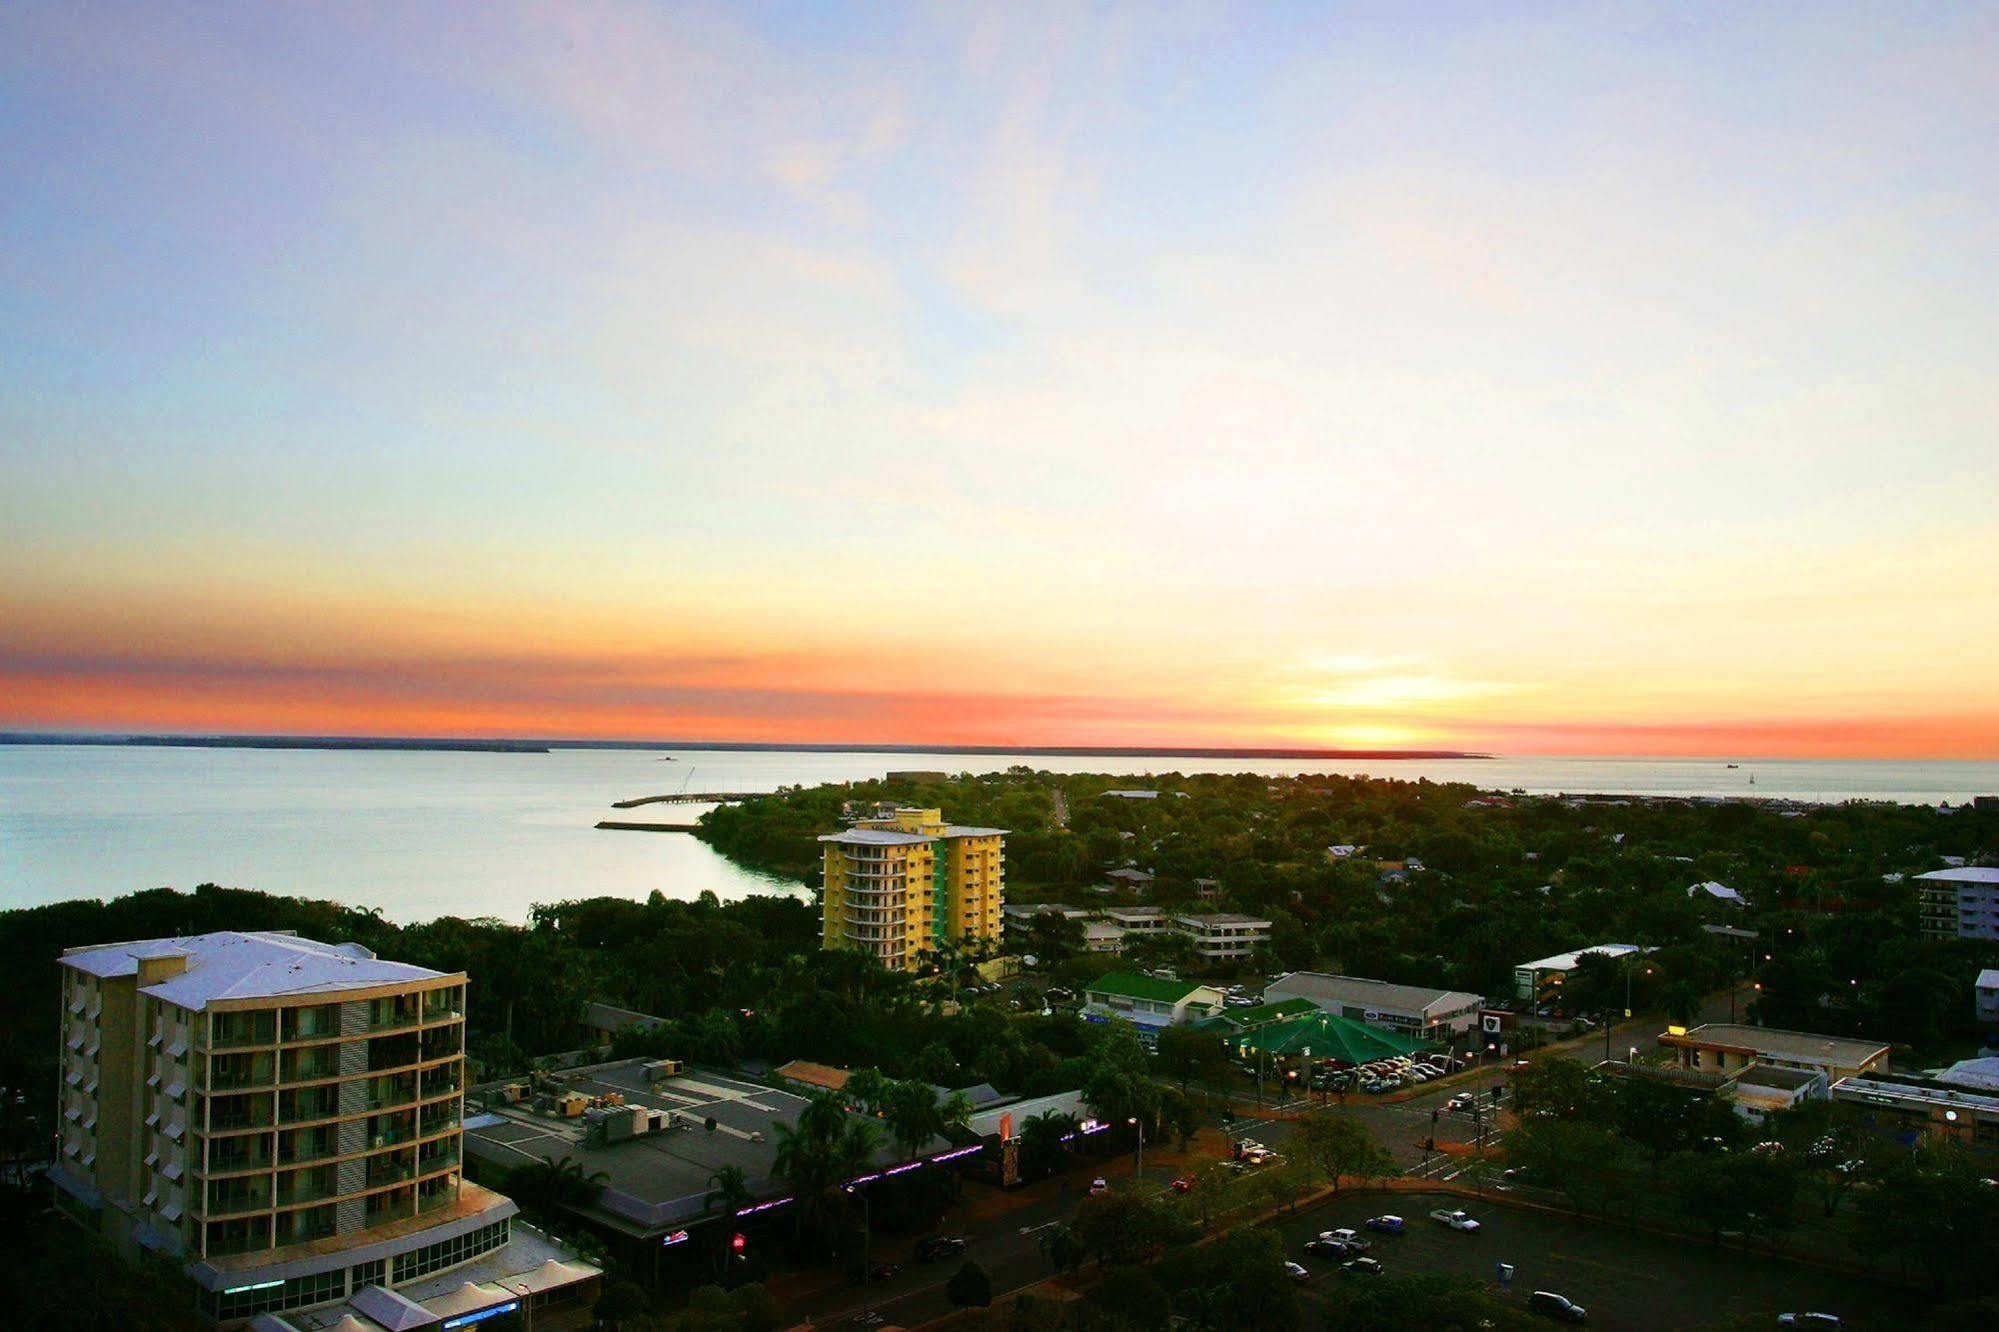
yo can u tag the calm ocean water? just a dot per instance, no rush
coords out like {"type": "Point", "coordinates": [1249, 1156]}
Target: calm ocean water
{"type": "Point", "coordinates": [422, 834]}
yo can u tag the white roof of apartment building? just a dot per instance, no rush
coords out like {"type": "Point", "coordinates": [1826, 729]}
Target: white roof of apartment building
{"type": "Point", "coordinates": [1319, 985]}
{"type": "Point", "coordinates": [1720, 892]}
{"type": "Point", "coordinates": [1126, 914]}
{"type": "Point", "coordinates": [1220, 918]}
{"type": "Point", "coordinates": [1964, 874]}
{"type": "Point", "coordinates": [1567, 961]}
{"type": "Point", "coordinates": [234, 964]}
{"type": "Point", "coordinates": [876, 837]}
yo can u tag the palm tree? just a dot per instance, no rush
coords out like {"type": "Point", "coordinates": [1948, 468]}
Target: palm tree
{"type": "Point", "coordinates": [553, 1185]}
{"type": "Point", "coordinates": [728, 1193]}
{"type": "Point", "coordinates": [819, 1153]}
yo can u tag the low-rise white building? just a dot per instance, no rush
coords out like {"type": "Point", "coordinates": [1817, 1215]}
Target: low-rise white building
{"type": "Point", "coordinates": [1530, 978]}
{"type": "Point", "coordinates": [1986, 995]}
{"type": "Point", "coordinates": [1148, 1002]}
{"type": "Point", "coordinates": [1225, 934]}
{"type": "Point", "coordinates": [1961, 902]}
{"type": "Point", "coordinates": [1143, 920]}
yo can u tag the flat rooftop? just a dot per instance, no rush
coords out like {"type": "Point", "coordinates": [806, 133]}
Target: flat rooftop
{"type": "Point", "coordinates": [1223, 918]}
{"type": "Point", "coordinates": [1776, 1043]}
{"type": "Point", "coordinates": [1568, 961]}
{"type": "Point", "coordinates": [876, 837]}
{"type": "Point", "coordinates": [234, 964]}
{"type": "Point", "coordinates": [1964, 874]}
{"type": "Point", "coordinates": [663, 1177]}
{"type": "Point", "coordinates": [1369, 993]}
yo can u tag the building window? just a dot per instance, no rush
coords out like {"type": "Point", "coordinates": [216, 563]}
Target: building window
{"type": "Point", "coordinates": [297, 1293]}
{"type": "Point", "coordinates": [449, 1253]}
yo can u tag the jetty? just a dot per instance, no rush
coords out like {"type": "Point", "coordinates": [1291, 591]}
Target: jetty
{"type": "Point", "coordinates": [621, 825]}
{"type": "Point", "coordinates": [689, 798]}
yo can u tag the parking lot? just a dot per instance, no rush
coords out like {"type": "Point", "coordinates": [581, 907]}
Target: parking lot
{"type": "Point", "coordinates": [1626, 1279]}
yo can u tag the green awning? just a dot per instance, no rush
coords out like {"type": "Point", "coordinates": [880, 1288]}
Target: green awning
{"type": "Point", "coordinates": [1325, 1036]}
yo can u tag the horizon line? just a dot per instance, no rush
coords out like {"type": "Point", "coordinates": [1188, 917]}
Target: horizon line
{"type": "Point", "coordinates": [530, 743]}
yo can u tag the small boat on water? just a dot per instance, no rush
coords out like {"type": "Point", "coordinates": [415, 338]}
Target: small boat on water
{"type": "Point", "coordinates": [1735, 765]}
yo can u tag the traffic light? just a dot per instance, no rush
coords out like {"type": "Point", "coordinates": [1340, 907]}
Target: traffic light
{"type": "Point", "coordinates": [738, 1242]}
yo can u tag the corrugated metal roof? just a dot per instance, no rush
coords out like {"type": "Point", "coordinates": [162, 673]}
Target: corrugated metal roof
{"type": "Point", "coordinates": [231, 964]}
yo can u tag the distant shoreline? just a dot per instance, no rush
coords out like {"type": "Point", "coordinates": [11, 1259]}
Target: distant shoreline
{"type": "Point", "coordinates": [545, 746]}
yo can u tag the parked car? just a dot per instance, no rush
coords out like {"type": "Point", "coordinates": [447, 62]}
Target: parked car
{"type": "Point", "coordinates": [1361, 1267]}
{"type": "Point", "coordinates": [1558, 1307]}
{"type": "Point", "coordinates": [1327, 1248]}
{"type": "Point", "coordinates": [1099, 1185]}
{"type": "Point", "coordinates": [1345, 1235]}
{"type": "Point", "coordinates": [1182, 1186]}
{"type": "Point", "coordinates": [1386, 1224]}
{"type": "Point", "coordinates": [938, 1246]}
{"type": "Point", "coordinates": [1297, 1271]}
{"type": "Point", "coordinates": [1820, 1320]}
{"type": "Point", "coordinates": [1455, 1219]}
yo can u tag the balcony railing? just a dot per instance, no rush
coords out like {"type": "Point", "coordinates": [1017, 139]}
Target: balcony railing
{"type": "Point", "coordinates": [234, 1035]}
{"type": "Point", "coordinates": [309, 1191]}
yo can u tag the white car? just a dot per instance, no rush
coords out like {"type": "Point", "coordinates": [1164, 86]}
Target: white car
{"type": "Point", "coordinates": [1344, 1235]}
{"type": "Point", "coordinates": [1456, 1220]}
{"type": "Point", "coordinates": [1809, 1320]}
{"type": "Point", "coordinates": [1297, 1271]}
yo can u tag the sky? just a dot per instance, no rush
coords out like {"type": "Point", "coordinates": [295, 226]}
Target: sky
{"type": "Point", "coordinates": [1553, 378]}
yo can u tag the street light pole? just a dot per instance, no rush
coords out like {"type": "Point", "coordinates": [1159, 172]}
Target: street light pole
{"type": "Point", "coordinates": [867, 1226]}
{"type": "Point", "coordinates": [1138, 1155]}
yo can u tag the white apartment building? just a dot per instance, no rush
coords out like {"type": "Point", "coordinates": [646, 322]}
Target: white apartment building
{"type": "Point", "coordinates": [1224, 934]}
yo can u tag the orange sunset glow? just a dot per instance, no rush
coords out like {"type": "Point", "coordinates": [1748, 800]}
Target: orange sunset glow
{"type": "Point", "coordinates": [958, 377]}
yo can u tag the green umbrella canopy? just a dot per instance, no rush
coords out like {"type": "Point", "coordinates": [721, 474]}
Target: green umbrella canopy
{"type": "Point", "coordinates": [1326, 1037]}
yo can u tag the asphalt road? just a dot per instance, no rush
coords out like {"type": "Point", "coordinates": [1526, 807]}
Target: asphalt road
{"type": "Point", "coordinates": [1626, 1279]}
{"type": "Point", "coordinates": [1007, 1247]}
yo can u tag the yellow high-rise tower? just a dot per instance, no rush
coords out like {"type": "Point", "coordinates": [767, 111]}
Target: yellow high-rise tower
{"type": "Point", "coordinates": [899, 888]}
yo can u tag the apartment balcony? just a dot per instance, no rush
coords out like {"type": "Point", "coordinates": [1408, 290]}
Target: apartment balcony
{"type": "Point", "coordinates": [439, 1156]}
{"type": "Point", "coordinates": [234, 1197]}
{"type": "Point", "coordinates": [303, 1227]}
{"type": "Point", "coordinates": [236, 1030]}
{"type": "Point", "coordinates": [385, 1170]}
{"type": "Point", "coordinates": [323, 1188]}
{"type": "Point", "coordinates": [309, 1104]}
{"type": "Point", "coordinates": [318, 1023]}
{"type": "Point", "coordinates": [232, 1237]}
{"type": "Point", "coordinates": [445, 1081]}
{"type": "Point", "coordinates": [257, 1156]}
{"type": "Point", "coordinates": [308, 1145]}
{"type": "Point", "coordinates": [310, 1065]}
{"type": "Point", "coordinates": [229, 1114]}
{"type": "Point", "coordinates": [241, 1072]}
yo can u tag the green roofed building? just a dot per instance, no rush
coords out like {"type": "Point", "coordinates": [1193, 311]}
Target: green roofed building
{"type": "Point", "coordinates": [1233, 1021]}
{"type": "Point", "coordinates": [1323, 1036]}
{"type": "Point", "coordinates": [1148, 1002]}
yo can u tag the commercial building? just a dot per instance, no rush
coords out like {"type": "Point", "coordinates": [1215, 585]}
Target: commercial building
{"type": "Point", "coordinates": [1224, 935]}
{"type": "Point", "coordinates": [1909, 1107]}
{"type": "Point", "coordinates": [659, 1136]}
{"type": "Point", "coordinates": [1722, 1047]}
{"type": "Point", "coordinates": [900, 889]}
{"type": "Point", "coordinates": [1960, 903]}
{"type": "Point", "coordinates": [282, 1116]}
{"type": "Point", "coordinates": [1147, 1002]}
{"type": "Point", "coordinates": [1535, 981]}
{"type": "Point", "coordinates": [1434, 1016]}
